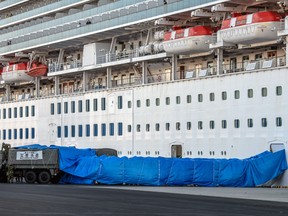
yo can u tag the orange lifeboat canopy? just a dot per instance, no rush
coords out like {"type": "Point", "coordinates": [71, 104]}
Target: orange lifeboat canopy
{"type": "Point", "coordinates": [37, 69]}
{"type": "Point", "coordinates": [193, 31]}
{"type": "Point", "coordinates": [15, 67]}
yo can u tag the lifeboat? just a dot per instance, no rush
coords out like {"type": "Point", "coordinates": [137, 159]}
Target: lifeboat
{"type": "Point", "coordinates": [250, 29]}
{"type": "Point", "coordinates": [16, 73]}
{"type": "Point", "coordinates": [37, 69]}
{"type": "Point", "coordinates": [1, 70]}
{"type": "Point", "coordinates": [188, 41]}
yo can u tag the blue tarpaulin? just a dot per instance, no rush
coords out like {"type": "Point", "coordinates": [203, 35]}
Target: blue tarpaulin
{"type": "Point", "coordinates": [82, 166]}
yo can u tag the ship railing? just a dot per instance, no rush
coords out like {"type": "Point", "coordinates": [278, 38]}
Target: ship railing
{"type": "Point", "coordinates": [54, 67]}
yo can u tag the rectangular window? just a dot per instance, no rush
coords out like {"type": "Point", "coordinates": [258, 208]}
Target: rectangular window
{"type": "Point", "coordinates": [20, 112]}
{"type": "Point", "coordinates": [120, 128]}
{"type": "Point", "coordinates": [167, 100]}
{"type": "Point", "coordinates": [58, 108]}
{"type": "Point", "coordinates": [250, 123]}
{"type": "Point", "coordinates": [120, 102]}
{"type": "Point", "coordinates": [279, 90]}
{"type": "Point", "coordinates": [167, 126]}
{"type": "Point", "coordinates": [103, 103]}
{"type": "Point", "coordinates": [26, 111]}
{"type": "Point", "coordinates": [224, 124]}
{"type": "Point", "coordinates": [95, 130]}
{"type": "Point", "coordinates": [147, 103]}
{"type": "Point", "coordinates": [95, 104]}
{"type": "Point", "coordinates": [32, 133]}
{"type": "Point", "coordinates": [264, 122]}
{"type": "Point", "coordinates": [157, 127]}
{"type": "Point", "coordinates": [189, 125]}
{"type": "Point", "coordinates": [129, 128]}
{"type": "Point", "coordinates": [212, 124]}
{"type": "Point", "coordinates": [15, 134]}
{"type": "Point", "coordinates": [236, 94]}
{"type": "Point", "coordinates": [147, 127]}
{"type": "Point", "coordinates": [87, 130]}
{"type": "Point", "coordinates": [32, 110]}
{"type": "Point", "coordinates": [4, 134]}
{"type": "Point", "coordinates": [279, 122]}
{"type": "Point", "coordinates": [212, 96]}
{"type": "Point", "coordinates": [189, 98]}
{"type": "Point", "coordinates": [200, 98]}
{"type": "Point", "coordinates": [15, 112]}
{"type": "Point", "coordinates": [264, 92]}
{"type": "Point", "coordinates": [138, 127]}
{"type": "Point", "coordinates": [250, 93]}
{"type": "Point", "coordinates": [103, 129]}
{"type": "Point", "coordinates": [9, 113]}
{"type": "Point", "coordinates": [178, 100]}
{"type": "Point", "coordinates": [178, 126]}
{"type": "Point", "coordinates": [200, 125]}
{"type": "Point", "coordinates": [80, 104]}
{"type": "Point", "coordinates": [138, 103]}
{"type": "Point", "coordinates": [129, 104]}
{"type": "Point", "coordinates": [26, 133]}
{"type": "Point", "coordinates": [66, 107]}
{"type": "Point", "coordinates": [72, 106]}
{"type": "Point", "coordinates": [20, 133]}
{"type": "Point", "coordinates": [80, 130]}
{"type": "Point", "coordinates": [237, 123]}
{"type": "Point", "coordinates": [52, 108]}
{"type": "Point", "coordinates": [73, 131]}
{"type": "Point", "coordinates": [157, 101]}
{"type": "Point", "coordinates": [9, 134]}
{"type": "Point", "coordinates": [224, 95]}
{"type": "Point", "coordinates": [66, 131]}
{"type": "Point", "coordinates": [4, 113]}
{"type": "Point", "coordinates": [87, 105]}
{"type": "Point", "coordinates": [58, 131]}
{"type": "Point", "coordinates": [111, 129]}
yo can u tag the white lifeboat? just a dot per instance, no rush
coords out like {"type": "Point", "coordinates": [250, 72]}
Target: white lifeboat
{"type": "Point", "coordinates": [188, 41]}
{"type": "Point", "coordinates": [250, 29]}
{"type": "Point", "coordinates": [16, 73]}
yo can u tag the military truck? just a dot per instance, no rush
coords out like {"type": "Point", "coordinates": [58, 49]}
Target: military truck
{"type": "Point", "coordinates": [34, 165]}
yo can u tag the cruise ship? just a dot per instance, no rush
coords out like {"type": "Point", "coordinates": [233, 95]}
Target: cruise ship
{"type": "Point", "coordinates": [150, 78]}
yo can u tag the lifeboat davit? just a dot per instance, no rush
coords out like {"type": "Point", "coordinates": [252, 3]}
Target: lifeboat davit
{"type": "Point", "coordinates": [16, 73]}
{"type": "Point", "coordinates": [250, 29]}
{"type": "Point", "coordinates": [37, 69]}
{"type": "Point", "coordinates": [188, 41]}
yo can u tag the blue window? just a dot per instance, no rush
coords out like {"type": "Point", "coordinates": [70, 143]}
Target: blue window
{"type": "Point", "coordinates": [58, 108]}
{"type": "Point", "coordinates": [66, 131]}
{"type": "Point", "coordinates": [59, 131]}
{"type": "Point", "coordinates": [26, 111]}
{"type": "Point", "coordinates": [103, 103]}
{"type": "Point", "coordinates": [80, 106]}
{"type": "Point", "coordinates": [73, 131]}
{"type": "Point", "coordinates": [120, 102]}
{"type": "Point", "coordinates": [21, 133]}
{"type": "Point", "coordinates": [120, 128]}
{"type": "Point", "coordinates": [72, 106]}
{"type": "Point", "coordinates": [32, 110]}
{"type": "Point", "coordinates": [15, 134]}
{"type": "Point", "coordinates": [87, 105]}
{"type": "Point", "coordinates": [9, 134]}
{"type": "Point", "coordinates": [103, 129]}
{"type": "Point", "coordinates": [9, 113]}
{"type": "Point", "coordinates": [52, 109]}
{"type": "Point", "coordinates": [21, 112]}
{"type": "Point", "coordinates": [95, 104]}
{"type": "Point", "coordinates": [4, 134]}
{"type": "Point", "coordinates": [32, 133]}
{"type": "Point", "coordinates": [4, 113]}
{"type": "Point", "coordinates": [26, 133]}
{"type": "Point", "coordinates": [15, 112]}
{"type": "Point", "coordinates": [87, 130]}
{"type": "Point", "coordinates": [65, 107]}
{"type": "Point", "coordinates": [111, 126]}
{"type": "Point", "coordinates": [95, 129]}
{"type": "Point", "coordinates": [80, 130]}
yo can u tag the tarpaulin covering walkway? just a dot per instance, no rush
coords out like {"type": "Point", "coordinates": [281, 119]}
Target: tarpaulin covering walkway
{"type": "Point", "coordinates": [82, 166]}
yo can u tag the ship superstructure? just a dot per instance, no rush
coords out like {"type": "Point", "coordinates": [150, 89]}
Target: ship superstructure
{"type": "Point", "coordinates": [152, 78]}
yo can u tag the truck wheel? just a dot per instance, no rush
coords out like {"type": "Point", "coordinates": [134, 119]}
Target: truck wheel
{"type": "Point", "coordinates": [44, 177]}
{"type": "Point", "coordinates": [30, 177]}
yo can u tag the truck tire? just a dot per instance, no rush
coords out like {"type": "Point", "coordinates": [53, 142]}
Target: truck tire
{"type": "Point", "coordinates": [44, 177]}
{"type": "Point", "coordinates": [30, 177]}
